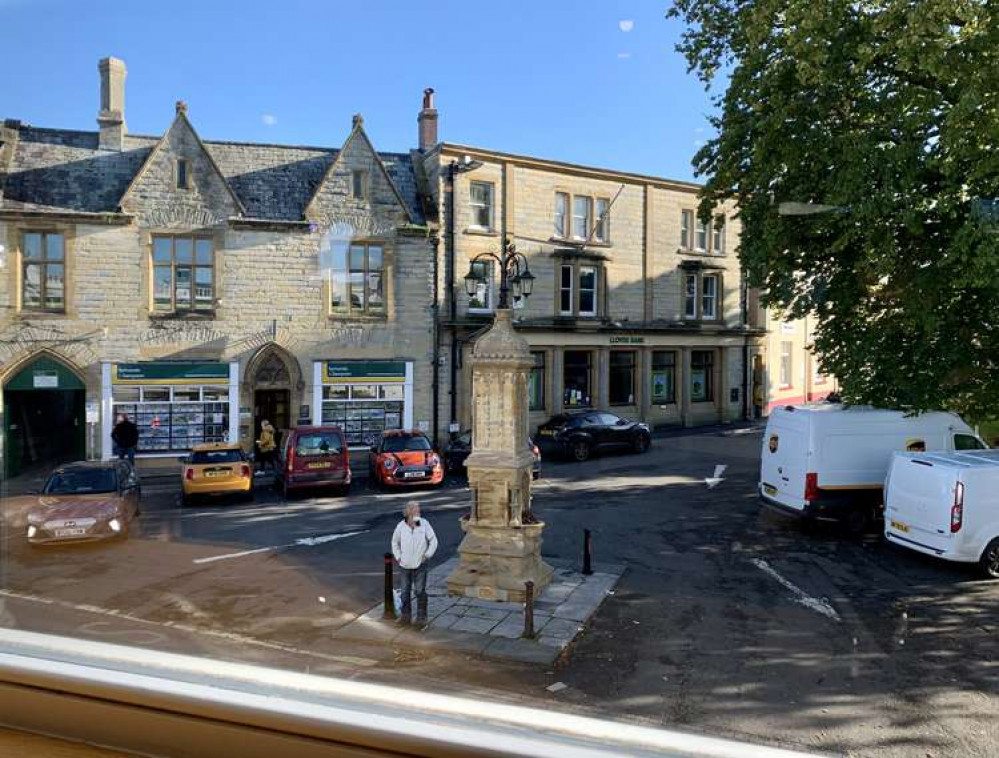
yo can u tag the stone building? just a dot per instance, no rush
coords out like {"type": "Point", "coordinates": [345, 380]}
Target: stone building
{"type": "Point", "coordinates": [790, 372]}
{"type": "Point", "coordinates": [637, 307]}
{"type": "Point", "coordinates": [201, 286]}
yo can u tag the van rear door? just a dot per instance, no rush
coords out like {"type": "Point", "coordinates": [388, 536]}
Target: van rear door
{"type": "Point", "coordinates": [918, 502]}
{"type": "Point", "coordinates": [784, 458]}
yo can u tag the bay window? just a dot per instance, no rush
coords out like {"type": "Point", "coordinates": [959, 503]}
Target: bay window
{"type": "Point", "coordinates": [701, 296]}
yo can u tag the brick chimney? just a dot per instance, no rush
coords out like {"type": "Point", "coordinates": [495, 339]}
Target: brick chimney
{"type": "Point", "coordinates": [427, 121]}
{"type": "Point", "coordinates": [111, 116]}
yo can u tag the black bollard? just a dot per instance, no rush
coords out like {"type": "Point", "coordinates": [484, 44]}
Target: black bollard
{"type": "Point", "coordinates": [587, 552]}
{"type": "Point", "coordinates": [389, 612]}
{"type": "Point", "coordinates": [528, 611]}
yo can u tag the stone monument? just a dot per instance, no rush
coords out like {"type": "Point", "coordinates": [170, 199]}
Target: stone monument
{"type": "Point", "coordinates": [501, 549]}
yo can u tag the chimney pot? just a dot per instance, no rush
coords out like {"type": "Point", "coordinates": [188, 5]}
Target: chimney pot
{"type": "Point", "coordinates": [111, 116]}
{"type": "Point", "coordinates": [427, 121]}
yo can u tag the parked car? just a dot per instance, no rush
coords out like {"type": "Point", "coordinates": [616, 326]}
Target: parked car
{"type": "Point", "coordinates": [216, 469]}
{"type": "Point", "coordinates": [946, 505]}
{"type": "Point", "coordinates": [581, 434]}
{"type": "Point", "coordinates": [404, 458]}
{"type": "Point", "coordinates": [313, 456]}
{"type": "Point", "coordinates": [828, 461]}
{"type": "Point", "coordinates": [82, 502]}
{"type": "Point", "coordinates": [461, 447]}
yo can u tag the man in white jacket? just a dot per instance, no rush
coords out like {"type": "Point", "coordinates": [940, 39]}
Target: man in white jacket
{"type": "Point", "coordinates": [413, 544]}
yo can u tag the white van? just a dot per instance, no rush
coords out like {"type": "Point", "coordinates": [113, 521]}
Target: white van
{"type": "Point", "coordinates": [947, 505]}
{"type": "Point", "coordinates": [829, 461]}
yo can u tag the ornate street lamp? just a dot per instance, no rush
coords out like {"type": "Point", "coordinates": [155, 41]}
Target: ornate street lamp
{"type": "Point", "coordinates": [515, 275]}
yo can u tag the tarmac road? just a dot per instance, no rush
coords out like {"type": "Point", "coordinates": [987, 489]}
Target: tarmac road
{"type": "Point", "coordinates": [728, 620]}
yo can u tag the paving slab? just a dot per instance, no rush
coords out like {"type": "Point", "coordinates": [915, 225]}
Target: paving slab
{"type": "Point", "coordinates": [492, 614]}
{"type": "Point", "coordinates": [474, 625]}
{"type": "Point", "coordinates": [513, 625]}
{"type": "Point", "coordinates": [444, 621]}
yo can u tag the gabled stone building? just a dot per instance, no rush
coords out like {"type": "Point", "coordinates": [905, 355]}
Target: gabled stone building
{"type": "Point", "coordinates": [203, 285]}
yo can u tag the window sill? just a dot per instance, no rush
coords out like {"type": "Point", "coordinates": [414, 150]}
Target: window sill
{"type": "Point", "coordinates": [578, 242]}
{"type": "Point", "coordinates": [182, 316]}
{"type": "Point", "coordinates": [361, 318]}
{"type": "Point", "coordinates": [30, 314]}
{"type": "Point", "coordinates": [478, 230]}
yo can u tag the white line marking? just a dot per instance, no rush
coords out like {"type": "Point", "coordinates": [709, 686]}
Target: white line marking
{"type": "Point", "coordinates": [228, 636]}
{"type": "Point", "coordinates": [819, 605]}
{"type": "Point", "coordinates": [714, 481]}
{"type": "Point", "coordinates": [302, 542]}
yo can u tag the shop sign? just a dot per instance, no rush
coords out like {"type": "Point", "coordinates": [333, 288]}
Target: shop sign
{"type": "Point", "coordinates": [170, 373]}
{"type": "Point", "coordinates": [627, 340]}
{"type": "Point", "coordinates": [364, 371]}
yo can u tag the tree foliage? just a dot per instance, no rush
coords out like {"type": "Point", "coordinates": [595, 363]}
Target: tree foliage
{"type": "Point", "coordinates": [889, 110]}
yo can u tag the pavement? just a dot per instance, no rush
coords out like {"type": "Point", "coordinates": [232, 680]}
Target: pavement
{"type": "Point", "coordinates": [727, 620]}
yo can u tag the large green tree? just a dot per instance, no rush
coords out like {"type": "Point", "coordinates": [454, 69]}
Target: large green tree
{"type": "Point", "coordinates": [887, 110]}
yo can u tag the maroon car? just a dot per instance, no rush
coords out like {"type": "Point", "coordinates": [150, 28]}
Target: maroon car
{"type": "Point", "coordinates": [80, 502]}
{"type": "Point", "coordinates": [313, 456]}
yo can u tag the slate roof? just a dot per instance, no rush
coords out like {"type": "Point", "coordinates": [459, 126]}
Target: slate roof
{"type": "Point", "coordinates": [60, 170]}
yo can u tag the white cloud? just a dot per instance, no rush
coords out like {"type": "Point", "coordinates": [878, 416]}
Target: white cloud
{"type": "Point", "coordinates": [626, 25]}
{"type": "Point", "coordinates": [268, 119]}
{"type": "Point", "coordinates": [624, 55]}
{"type": "Point", "coordinates": [698, 142]}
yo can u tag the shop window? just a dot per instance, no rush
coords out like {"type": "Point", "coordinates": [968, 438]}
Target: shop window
{"type": "Point", "coordinates": [363, 410]}
{"type": "Point", "coordinates": [482, 299]}
{"type": "Point", "coordinates": [357, 280]}
{"type": "Point", "coordinates": [786, 363]}
{"type": "Point", "coordinates": [183, 274]}
{"type": "Point", "coordinates": [622, 377]}
{"type": "Point", "coordinates": [702, 364]}
{"type": "Point", "coordinates": [174, 419]}
{"type": "Point", "coordinates": [576, 378]}
{"type": "Point", "coordinates": [536, 382]}
{"type": "Point", "coordinates": [664, 376]}
{"type": "Point", "coordinates": [43, 272]}
{"type": "Point", "coordinates": [480, 202]}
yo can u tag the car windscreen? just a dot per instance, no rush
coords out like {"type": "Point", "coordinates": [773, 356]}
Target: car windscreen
{"type": "Point", "coordinates": [83, 482]}
{"type": "Point", "coordinates": [405, 444]}
{"type": "Point", "coordinates": [318, 443]}
{"type": "Point", "coordinates": [216, 456]}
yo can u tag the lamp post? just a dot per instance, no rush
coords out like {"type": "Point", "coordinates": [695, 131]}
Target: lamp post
{"type": "Point", "coordinates": [515, 274]}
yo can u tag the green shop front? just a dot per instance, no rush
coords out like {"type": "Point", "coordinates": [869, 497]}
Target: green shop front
{"type": "Point", "coordinates": [175, 404]}
{"type": "Point", "coordinates": [363, 398]}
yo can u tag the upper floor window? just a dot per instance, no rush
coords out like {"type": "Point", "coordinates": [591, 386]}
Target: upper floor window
{"type": "Point", "coordinates": [581, 210]}
{"type": "Point", "coordinates": [183, 174]}
{"type": "Point", "coordinates": [701, 296]}
{"type": "Point", "coordinates": [578, 290]}
{"type": "Point", "coordinates": [786, 363]}
{"type": "Point", "coordinates": [357, 285]}
{"type": "Point", "coordinates": [718, 236]}
{"type": "Point", "coordinates": [481, 204]}
{"type": "Point", "coordinates": [601, 232]}
{"type": "Point", "coordinates": [686, 228]}
{"type": "Point", "coordinates": [359, 185]}
{"type": "Point", "coordinates": [482, 298]}
{"type": "Point", "coordinates": [701, 237]}
{"type": "Point", "coordinates": [43, 277]}
{"type": "Point", "coordinates": [561, 209]}
{"type": "Point", "coordinates": [183, 274]}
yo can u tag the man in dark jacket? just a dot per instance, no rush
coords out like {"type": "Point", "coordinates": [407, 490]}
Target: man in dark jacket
{"type": "Point", "coordinates": [125, 436]}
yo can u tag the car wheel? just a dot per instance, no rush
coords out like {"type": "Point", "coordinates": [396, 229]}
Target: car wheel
{"type": "Point", "coordinates": [641, 444]}
{"type": "Point", "coordinates": [250, 495]}
{"type": "Point", "coordinates": [187, 500]}
{"type": "Point", "coordinates": [990, 559]}
{"type": "Point", "coordinates": [580, 451]}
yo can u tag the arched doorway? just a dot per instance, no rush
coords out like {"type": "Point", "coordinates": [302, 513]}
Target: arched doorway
{"type": "Point", "coordinates": [44, 420]}
{"type": "Point", "coordinates": [274, 380]}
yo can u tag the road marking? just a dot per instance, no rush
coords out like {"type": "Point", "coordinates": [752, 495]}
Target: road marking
{"type": "Point", "coordinates": [714, 481]}
{"type": "Point", "coordinates": [819, 605]}
{"type": "Point", "coordinates": [241, 639]}
{"type": "Point", "coordinates": [301, 542]}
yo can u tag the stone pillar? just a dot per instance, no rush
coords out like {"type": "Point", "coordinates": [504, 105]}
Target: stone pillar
{"type": "Point", "coordinates": [684, 386]}
{"type": "Point", "coordinates": [501, 549]}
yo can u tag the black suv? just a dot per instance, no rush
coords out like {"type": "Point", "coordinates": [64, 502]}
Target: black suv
{"type": "Point", "coordinates": [581, 434]}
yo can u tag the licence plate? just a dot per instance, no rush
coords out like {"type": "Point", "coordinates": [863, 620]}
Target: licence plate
{"type": "Point", "coordinates": [413, 475]}
{"type": "Point", "coordinates": [898, 526]}
{"type": "Point", "coordinates": [319, 465]}
{"type": "Point", "coordinates": [769, 490]}
{"type": "Point", "coordinates": [547, 432]}
{"type": "Point", "coordinates": [216, 474]}
{"type": "Point", "coordinates": [78, 532]}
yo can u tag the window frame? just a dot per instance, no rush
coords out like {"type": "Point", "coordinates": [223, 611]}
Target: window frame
{"type": "Point", "coordinates": [43, 263]}
{"type": "Point", "coordinates": [490, 206]}
{"type": "Point", "coordinates": [657, 367]}
{"type": "Point", "coordinates": [701, 229]}
{"type": "Point", "coordinates": [587, 219]}
{"type": "Point", "coordinates": [686, 229]}
{"type": "Point", "coordinates": [566, 198]}
{"type": "Point", "coordinates": [489, 284]}
{"type": "Point", "coordinates": [633, 366]}
{"type": "Point", "coordinates": [589, 377]}
{"type": "Point", "coordinates": [359, 179]}
{"type": "Point", "coordinates": [698, 295]}
{"type": "Point", "coordinates": [601, 222]}
{"type": "Point", "coordinates": [194, 266]}
{"type": "Point", "coordinates": [349, 310]}
{"type": "Point", "coordinates": [182, 170]}
{"type": "Point", "coordinates": [705, 316]}
{"type": "Point", "coordinates": [580, 289]}
{"type": "Point", "coordinates": [571, 289]}
{"type": "Point", "coordinates": [536, 380]}
{"type": "Point", "coordinates": [718, 234]}
{"type": "Point", "coordinates": [576, 290]}
{"type": "Point", "coordinates": [788, 381]}
{"type": "Point", "coordinates": [709, 376]}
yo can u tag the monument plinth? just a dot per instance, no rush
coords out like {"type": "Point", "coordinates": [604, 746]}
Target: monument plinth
{"type": "Point", "coordinates": [501, 549]}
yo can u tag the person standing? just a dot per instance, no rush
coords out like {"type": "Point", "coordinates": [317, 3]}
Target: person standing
{"type": "Point", "coordinates": [125, 436]}
{"type": "Point", "coordinates": [413, 544]}
{"type": "Point", "coordinates": [266, 445]}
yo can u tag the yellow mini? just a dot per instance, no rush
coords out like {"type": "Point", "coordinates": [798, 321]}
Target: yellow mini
{"type": "Point", "coordinates": [217, 468]}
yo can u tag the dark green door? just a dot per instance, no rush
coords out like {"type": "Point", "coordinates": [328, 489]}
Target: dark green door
{"type": "Point", "coordinates": [44, 417]}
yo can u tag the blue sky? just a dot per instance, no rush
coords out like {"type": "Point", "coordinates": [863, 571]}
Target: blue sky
{"type": "Point", "coordinates": [585, 81]}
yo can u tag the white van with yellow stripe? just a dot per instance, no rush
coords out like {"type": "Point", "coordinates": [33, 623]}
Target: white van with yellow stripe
{"type": "Point", "coordinates": [828, 461]}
